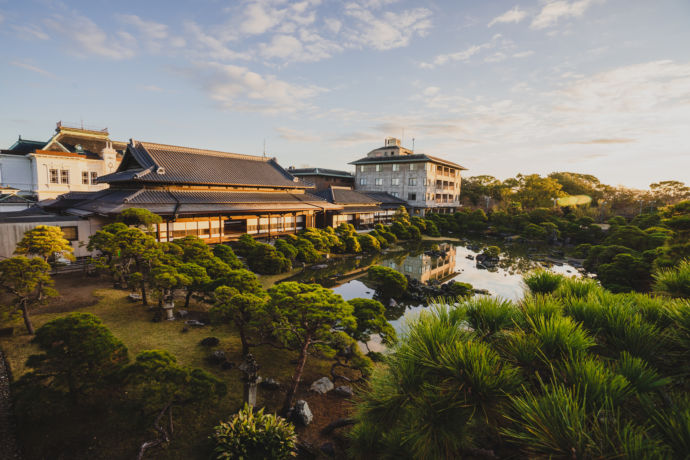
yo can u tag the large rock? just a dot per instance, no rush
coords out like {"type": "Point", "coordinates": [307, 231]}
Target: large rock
{"type": "Point", "coordinates": [344, 391]}
{"type": "Point", "coordinates": [302, 414]}
{"type": "Point", "coordinates": [322, 386]}
{"type": "Point", "coordinates": [217, 357]}
{"type": "Point", "coordinates": [270, 384]}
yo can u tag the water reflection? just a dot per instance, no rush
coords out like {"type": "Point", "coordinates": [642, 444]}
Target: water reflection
{"type": "Point", "coordinates": [426, 265]}
{"type": "Point", "coordinates": [453, 262]}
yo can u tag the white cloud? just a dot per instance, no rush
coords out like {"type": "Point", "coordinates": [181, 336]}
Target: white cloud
{"type": "Point", "coordinates": [30, 31]}
{"type": "Point", "coordinates": [89, 39]}
{"type": "Point", "coordinates": [155, 36]}
{"type": "Point", "coordinates": [211, 46]}
{"type": "Point", "coordinates": [388, 30]}
{"type": "Point", "coordinates": [240, 89]}
{"type": "Point", "coordinates": [463, 55]}
{"type": "Point", "coordinates": [333, 25]}
{"type": "Point", "coordinates": [523, 54]}
{"type": "Point", "coordinates": [309, 47]}
{"type": "Point", "coordinates": [515, 15]}
{"type": "Point", "coordinates": [496, 57]}
{"type": "Point", "coordinates": [259, 18]}
{"type": "Point", "coordinates": [553, 11]}
{"type": "Point", "coordinates": [32, 68]}
{"type": "Point", "coordinates": [296, 135]}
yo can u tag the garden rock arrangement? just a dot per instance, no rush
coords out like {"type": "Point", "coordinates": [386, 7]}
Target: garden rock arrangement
{"type": "Point", "coordinates": [420, 292]}
{"type": "Point", "coordinates": [322, 386]}
{"type": "Point", "coordinates": [301, 413]}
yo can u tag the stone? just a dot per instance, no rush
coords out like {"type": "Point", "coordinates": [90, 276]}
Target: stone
{"type": "Point", "coordinates": [217, 357]}
{"type": "Point", "coordinates": [302, 414]}
{"type": "Point", "coordinates": [328, 449]}
{"type": "Point", "coordinates": [322, 386]}
{"type": "Point", "coordinates": [210, 341]}
{"type": "Point", "coordinates": [344, 390]}
{"type": "Point", "coordinates": [392, 303]}
{"type": "Point", "coordinates": [182, 313]}
{"type": "Point", "coordinates": [193, 322]}
{"type": "Point", "coordinates": [134, 297]}
{"type": "Point", "coordinates": [227, 365]}
{"type": "Point", "coordinates": [270, 384]}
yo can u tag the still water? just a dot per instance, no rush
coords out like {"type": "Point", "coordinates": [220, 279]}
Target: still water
{"type": "Point", "coordinates": [347, 276]}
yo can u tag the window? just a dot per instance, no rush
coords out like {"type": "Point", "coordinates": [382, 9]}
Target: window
{"type": "Point", "coordinates": [71, 233]}
{"type": "Point", "coordinates": [363, 181]}
{"type": "Point", "coordinates": [85, 177]}
{"type": "Point", "coordinates": [54, 176]}
{"type": "Point", "coordinates": [411, 166]}
{"type": "Point", "coordinates": [412, 181]}
{"type": "Point", "coordinates": [396, 167]}
{"type": "Point", "coordinates": [362, 168]}
{"type": "Point", "coordinates": [395, 194]}
{"type": "Point", "coordinates": [94, 176]}
{"type": "Point", "coordinates": [378, 167]}
{"type": "Point", "coordinates": [64, 176]}
{"type": "Point", "coordinates": [412, 196]}
{"type": "Point", "coordinates": [379, 181]}
{"type": "Point", "coordinates": [395, 181]}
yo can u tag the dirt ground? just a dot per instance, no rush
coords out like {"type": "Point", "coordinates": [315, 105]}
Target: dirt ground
{"type": "Point", "coordinates": [75, 290]}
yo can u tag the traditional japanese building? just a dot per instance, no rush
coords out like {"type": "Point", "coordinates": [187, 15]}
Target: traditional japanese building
{"type": "Point", "coordinates": [322, 178]}
{"type": "Point", "coordinates": [357, 208]}
{"type": "Point", "coordinates": [217, 196]}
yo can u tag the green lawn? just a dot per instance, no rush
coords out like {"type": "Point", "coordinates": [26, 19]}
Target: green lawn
{"type": "Point", "coordinates": [131, 323]}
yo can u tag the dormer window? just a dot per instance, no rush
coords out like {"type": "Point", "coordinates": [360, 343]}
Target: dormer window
{"type": "Point", "coordinates": [79, 148]}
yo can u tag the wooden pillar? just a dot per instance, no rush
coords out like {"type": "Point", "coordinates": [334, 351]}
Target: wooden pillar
{"type": "Point", "coordinates": [220, 229]}
{"type": "Point", "coordinates": [167, 230]}
{"type": "Point", "coordinates": [294, 222]}
{"type": "Point", "coordinates": [269, 226]}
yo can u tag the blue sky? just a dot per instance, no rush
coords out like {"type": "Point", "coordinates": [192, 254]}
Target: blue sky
{"type": "Point", "coordinates": [501, 87]}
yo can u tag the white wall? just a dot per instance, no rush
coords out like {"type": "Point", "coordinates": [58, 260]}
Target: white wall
{"type": "Point", "coordinates": [12, 233]}
{"type": "Point", "coordinates": [15, 171]}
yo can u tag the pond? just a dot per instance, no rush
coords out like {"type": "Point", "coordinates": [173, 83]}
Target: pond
{"type": "Point", "coordinates": [346, 275]}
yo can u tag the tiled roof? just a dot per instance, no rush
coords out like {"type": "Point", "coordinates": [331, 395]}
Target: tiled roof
{"type": "Point", "coordinates": [24, 146]}
{"type": "Point", "coordinates": [346, 196]}
{"type": "Point", "coordinates": [320, 172]}
{"type": "Point", "coordinates": [112, 201]}
{"type": "Point", "coordinates": [170, 164]}
{"type": "Point", "coordinates": [416, 158]}
{"type": "Point", "coordinates": [385, 198]}
{"type": "Point", "coordinates": [12, 198]}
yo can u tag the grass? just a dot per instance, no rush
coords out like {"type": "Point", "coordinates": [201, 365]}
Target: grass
{"type": "Point", "coordinates": [131, 323]}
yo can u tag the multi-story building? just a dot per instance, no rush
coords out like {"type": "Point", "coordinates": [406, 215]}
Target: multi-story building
{"type": "Point", "coordinates": [70, 161]}
{"type": "Point", "coordinates": [322, 178]}
{"type": "Point", "coordinates": [426, 183]}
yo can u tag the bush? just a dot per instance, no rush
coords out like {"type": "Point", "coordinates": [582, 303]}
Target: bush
{"type": "Point", "coordinates": [542, 281]}
{"type": "Point", "coordinates": [306, 252]}
{"type": "Point", "coordinates": [458, 289]}
{"type": "Point", "coordinates": [400, 231]}
{"type": "Point", "coordinates": [227, 255]}
{"type": "Point", "coordinates": [674, 282]}
{"type": "Point", "coordinates": [286, 249]}
{"type": "Point", "coordinates": [245, 245]}
{"type": "Point", "coordinates": [389, 283]}
{"type": "Point", "coordinates": [492, 252]}
{"type": "Point", "coordinates": [348, 236]}
{"type": "Point", "coordinates": [266, 260]}
{"type": "Point", "coordinates": [431, 228]}
{"type": "Point", "coordinates": [251, 435]}
{"type": "Point", "coordinates": [368, 243]}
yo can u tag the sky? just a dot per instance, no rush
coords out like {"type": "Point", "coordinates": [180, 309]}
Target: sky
{"type": "Point", "coordinates": [501, 87]}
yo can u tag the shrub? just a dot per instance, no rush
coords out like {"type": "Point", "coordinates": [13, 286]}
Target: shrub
{"type": "Point", "coordinates": [673, 282]}
{"type": "Point", "coordinates": [458, 289]}
{"type": "Point", "coordinates": [287, 249]}
{"type": "Point", "coordinates": [492, 252]}
{"type": "Point", "coordinates": [400, 231]}
{"type": "Point", "coordinates": [414, 233]}
{"type": "Point", "coordinates": [576, 287]}
{"type": "Point", "coordinates": [487, 315]}
{"type": "Point", "coordinates": [306, 252]}
{"type": "Point", "coordinates": [266, 260]}
{"type": "Point", "coordinates": [534, 232]}
{"type": "Point", "coordinates": [227, 255]}
{"type": "Point", "coordinates": [431, 228]}
{"type": "Point", "coordinates": [368, 243]}
{"type": "Point", "coordinates": [542, 281]}
{"type": "Point", "coordinates": [256, 435]}
{"type": "Point", "coordinates": [245, 245]}
{"type": "Point", "coordinates": [389, 282]}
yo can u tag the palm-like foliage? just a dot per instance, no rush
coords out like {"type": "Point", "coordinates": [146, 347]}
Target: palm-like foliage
{"type": "Point", "coordinates": [488, 315]}
{"type": "Point", "coordinates": [674, 282]}
{"type": "Point", "coordinates": [542, 281]}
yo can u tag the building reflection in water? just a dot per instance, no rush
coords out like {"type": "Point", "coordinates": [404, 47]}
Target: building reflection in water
{"type": "Point", "coordinates": [426, 267]}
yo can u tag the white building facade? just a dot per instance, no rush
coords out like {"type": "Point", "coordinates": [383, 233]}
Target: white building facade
{"type": "Point", "coordinates": [426, 183]}
{"type": "Point", "coordinates": [70, 161]}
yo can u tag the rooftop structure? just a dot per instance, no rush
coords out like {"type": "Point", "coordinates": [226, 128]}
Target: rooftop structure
{"type": "Point", "coordinates": [71, 160]}
{"type": "Point", "coordinates": [427, 183]}
{"type": "Point", "coordinates": [217, 196]}
{"type": "Point", "coordinates": [322, 178]}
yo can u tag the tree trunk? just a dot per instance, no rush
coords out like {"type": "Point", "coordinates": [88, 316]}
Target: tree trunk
{"type": "Point", "coordinates": [186, 300]}
{"type": "Point", "coordinates": [27, 320]}
{"type": "Point", "coordinates": [245, 342]}
{"type": "Point", "coordinates": [297, 377]}
{"type": "Point", "coordinates": [144, 300]}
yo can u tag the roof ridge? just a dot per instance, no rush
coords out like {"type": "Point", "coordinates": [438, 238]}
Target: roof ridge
{"type": "Point", "coordinates": [206, 151]}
